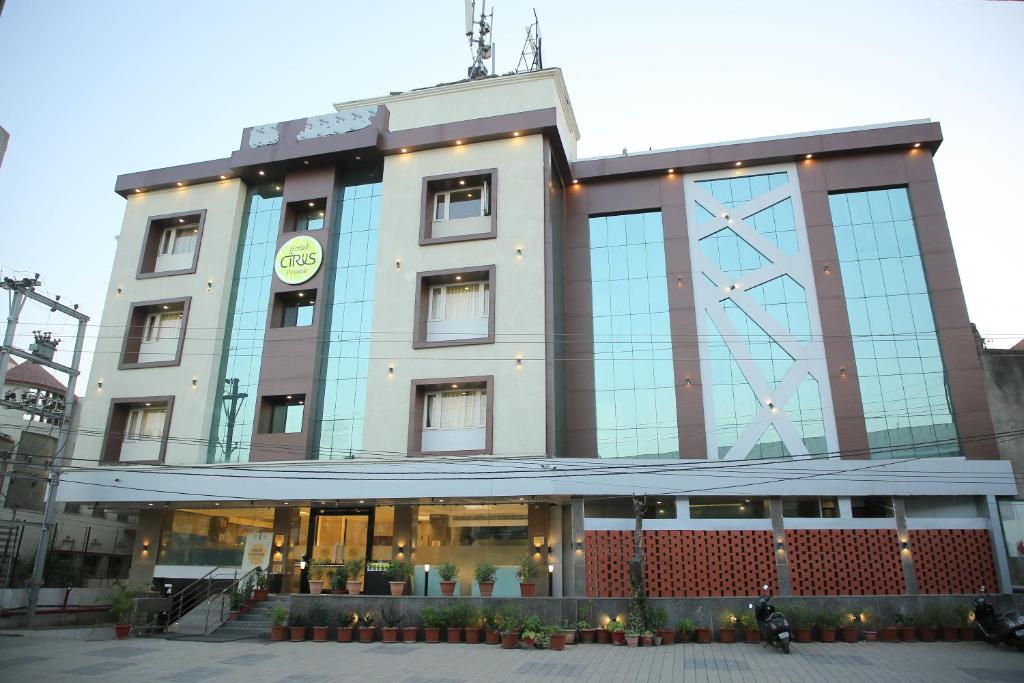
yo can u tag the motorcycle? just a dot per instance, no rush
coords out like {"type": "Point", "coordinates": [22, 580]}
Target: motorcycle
{"type": "Point", "coordinates": [993, 628]}
{"type": "Point", "coordinates": [774, 626]}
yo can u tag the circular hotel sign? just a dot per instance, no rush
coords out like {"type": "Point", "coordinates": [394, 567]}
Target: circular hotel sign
{"type": "Point", "coordinates": [298, 259]}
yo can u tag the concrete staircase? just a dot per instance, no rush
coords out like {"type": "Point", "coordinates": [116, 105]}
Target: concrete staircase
{"type": "Point", "coordinates": [255, 624]}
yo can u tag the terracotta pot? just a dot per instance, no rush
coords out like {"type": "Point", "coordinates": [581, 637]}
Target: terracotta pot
{"type": "Point", "coordinates": [827, 635]}
{"type": "Point", "coordinates": [586, 635]}
{"type": "Point", "coordinates": [802, 634]}
{"type": "Point", "coordinates": [618, 637]}
{"type": "Point", "coordinates": [366, 634]}
{"type": "Point", "coordinates": [528, 643]}
{"type": "Point", "coordinates": [316, 587]}
{"type": "Point", "coordinates": [727, 635]}
{"type": "Point", "coordinates": [122, 631]}
{"type": "Point", "coordinates": [297, 633]}
{"type": "Point", "coordinates": [389, 634]}
{"type": "Point", "coordinates": [557, 641]}
{"type": "Point", "coordinates": [354, 587]}
{"type": "Point", "coordinates": [752, 636]}
{"type": "Point", "coordinates": [453, 634]}
{"type": "Point", "coordinates": [950, 633]}
{"type": "Point", "coordinates": [632, 641]}
{"type": "Point", "coordinates": [603, 636]}
{"type": "Point", "coordinates": [570, 636]}
{"type": "Point", "coordinates": [409, 634]}
{"type": "Point", "coordinates": [345, 634]}
{"type": "Point", "coordinates": [447, 588]}
{"type": "Point", "coordinates": [668, 636]}
{"type": "Point", "coordinates": [647, 641]}
{"type": "Point", "coordinates": [703, 635]}
{"type": "Point", "coordinates": [259, 595]}
{"type": "Point", "coordinates": [509, 642]}
{"type": "Point", "coordinates": [233, 615]}
{"type": "Point", "coordinates": [473, 636]}
{"type": "Point", "coordinates": [486, 588]}
{"type": "Point", "coordinates": [966, 633]}
{"type": "Point", "coordinates": [908, 634]}
{"type": "Point", "coordinates": [319, 634]}
{"type": "Point", "coordinates": [244, 608]}
{"type": "Point", "coordinates": [431, 635]}
{"type": "Point", "coordinates": [527, 590]}
{"type": "Point", "coordinates": [277, 633]}
{"type": "Point", "coordinates": [849, 634]}
{"type": "Point", "coordinates": [491, 636]}
{"type": "Point", "coordinates": [927, 634]}
{"type": "Point", "coordinates": [870, 636]}
{"type": "Point", "coordinates": [397, 587]}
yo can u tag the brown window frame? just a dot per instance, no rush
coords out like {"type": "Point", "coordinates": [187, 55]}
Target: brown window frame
{"type": "Point", "coordinates": [151, 238]}
{"type": "Point", "coordinates": [132, 342]}
{"type": "Point", "coordinates": [443, 183]}
{"type": "Point", "coordinates": [421, 387]}
{"type": "Point", "coordinates": [431, 278]}
{"type": "Point", "coordinates": [117, 422]}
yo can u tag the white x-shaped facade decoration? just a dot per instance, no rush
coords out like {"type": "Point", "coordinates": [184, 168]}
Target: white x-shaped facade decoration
{"type": "Point", "coordinates": [712, 288]}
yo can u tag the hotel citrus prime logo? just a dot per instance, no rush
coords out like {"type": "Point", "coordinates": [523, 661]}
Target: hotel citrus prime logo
{"type": "Point", "coordinates": [298, 259]}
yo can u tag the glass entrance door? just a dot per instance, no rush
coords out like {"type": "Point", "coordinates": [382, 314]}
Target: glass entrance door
{"type": "Point", "coordinates": [337, 536]}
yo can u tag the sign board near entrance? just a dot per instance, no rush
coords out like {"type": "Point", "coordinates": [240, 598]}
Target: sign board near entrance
{"type": "Point", "coordinates": [298, 260]}
{"type": "Point", "coordinates": [257, 551]}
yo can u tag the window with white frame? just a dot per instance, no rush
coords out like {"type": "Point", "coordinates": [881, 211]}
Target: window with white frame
{"type": "Point", "coordinates": [179, 240]}
{"type": "Point", "coordinates": [162, 326]}
{"type": "Point", "coordinates": [469, 201]}
{"type": "Point", "coordinates": [460, 301]}
{"type": "Point", "coordinates": [145, 423]}
{"type": "Point", "coordinates": [465, 409]}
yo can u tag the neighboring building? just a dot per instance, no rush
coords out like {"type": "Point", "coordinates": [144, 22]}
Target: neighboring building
{"type": "Point", "coordinates": [5, 137]}
{"type": "Point", "coordinates": [420, 328]}
{"type": "Point", "coordinates": [93, 544]}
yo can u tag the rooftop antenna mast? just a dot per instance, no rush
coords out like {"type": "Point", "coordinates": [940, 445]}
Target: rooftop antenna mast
{"type": "Point", "coordinates": [479, 34]}
{"type": "Point", "coordinates": [530, 59]}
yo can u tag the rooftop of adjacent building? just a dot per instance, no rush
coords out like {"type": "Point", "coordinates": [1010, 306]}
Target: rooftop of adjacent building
{"type": "Point", "coordinates": [33, 375]}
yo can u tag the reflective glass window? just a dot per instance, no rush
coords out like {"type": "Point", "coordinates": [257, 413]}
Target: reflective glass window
{"type": "Point", "coordinates": [728, 508]}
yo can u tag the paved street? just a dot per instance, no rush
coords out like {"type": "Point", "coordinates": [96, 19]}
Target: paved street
{"type": "Point", "coordinates": [43, 659]}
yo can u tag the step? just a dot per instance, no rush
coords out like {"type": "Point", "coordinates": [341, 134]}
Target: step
{"type": "Point", "coordinates": [235, 627]}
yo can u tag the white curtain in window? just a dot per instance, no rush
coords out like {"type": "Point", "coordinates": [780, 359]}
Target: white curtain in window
{"type": "Point", "coordinates": [169, 325]}
{"type": "Point", "coordinates": [458, 409]}
{"type": "Point", "coordinates": [462, 302]}
{"type": "Point", "coordinates": [185, 241]}
{"type": "Point", "coordinates": [153, 422]}
{"type": "Point", "coordinates": [435, 304]}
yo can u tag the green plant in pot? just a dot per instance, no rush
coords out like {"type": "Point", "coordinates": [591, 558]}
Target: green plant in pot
{"type": "Point", "coordinates": [585, 621]}
{"type": "Point", "coordinates": [337, 577]}
{"type": "Point", "coordinates": [122, 607]}
{"type": "Point", "coordinates": [617, 630]}
{"type": "Point", "coordinates": [259, 584]}
{"type": "Point", "coordinates": [391, 619]}
{"type": "Point", "coordinates": [367, 630]}
{"type": "Point", "coordinates": [826, 620]}
{"type": "Point", "coordinates": [485, 574]}
{"type": "Point", "coordinates": [727, 626]}
{"type": "Point", "coordinates": [526, 572]}
{"type": "Point", "coordinates": [928, 622]}
{"type": "Point", "coordinates": [684, 630]}
{"type": "Point", "coordinates": [748, 622]}
{"type": "Point", "coordinates": [297, 627]}
{"type": "Point", "coordinates": [489, 622]}
{"type": "Point", "coordinates": [398, 576]}
{"type": "Point", "coordinates": [848, 626]}
{"type": "Point", "coordinates": [235, 600]}
{"type": "Point", "coordinates": [457, 617]}
{"type": "Point", "coordinates": [509, 624]}
{"type": "Point", "coordinates": [278, 621]}
{"type": "Point", "coordinates": [353, 569]}
{"type": "Point", "coordinates": [346, 624]}
{"type": "Point", "coordinates": [448, 573]}
{"type": "Point", "coordinates": [315, 573]}
{"type": "Point", "coordinates": [658, 620]}
{"type": "Point", "coordinates": [433, 621]}
{"type": "Point", "coordinates": [318, 617]}
{"type": "Point", "coordinates": [964, 620]}
{"type": "Point", "coordinates": [800, 621]}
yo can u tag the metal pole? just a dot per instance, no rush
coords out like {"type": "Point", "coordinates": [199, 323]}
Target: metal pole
{"type": "Point", "coordinates": [17, 300]}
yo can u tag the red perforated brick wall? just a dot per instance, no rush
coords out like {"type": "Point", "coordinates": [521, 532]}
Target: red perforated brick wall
{"type": "Point", "coordinates": [844, 562]}
{"type": "Point", "coordinates": [682, 563]}
{"type": "Point", "coordinates": [952, 560]}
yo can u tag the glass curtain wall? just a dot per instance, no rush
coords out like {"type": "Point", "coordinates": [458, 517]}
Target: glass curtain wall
{"type": "Point", "coordinates": [346, 348]}
{"type": "Point", "coordinates": [211, 537]}
{"type": "Point", "coordinates": [899, 365]}
{"type": "Point", "coordinates": [634, 380]}
{"type": "Point", "coordinates": [243, 340]}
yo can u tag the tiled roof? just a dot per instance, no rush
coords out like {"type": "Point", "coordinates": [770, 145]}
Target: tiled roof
{"type": "Point", "coordinates": [33, 374]}
{"type": "Point", "coordinates": [1019, 346]}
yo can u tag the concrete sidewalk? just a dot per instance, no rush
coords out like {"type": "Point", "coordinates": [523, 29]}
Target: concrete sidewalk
{"type": "Point", "coordinates": [42, 659]}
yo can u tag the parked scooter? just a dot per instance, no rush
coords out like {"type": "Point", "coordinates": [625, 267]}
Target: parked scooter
{"type": "Point", "coordinates": [774, 625]}
{"type": "Point", "coordinates": [1007, 627]}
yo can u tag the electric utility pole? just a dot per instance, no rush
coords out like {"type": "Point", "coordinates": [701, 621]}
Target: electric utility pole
{"type": "Point", "coordinates": [231, 408]}
{"type": "Point", "coordinates": [41, 352]}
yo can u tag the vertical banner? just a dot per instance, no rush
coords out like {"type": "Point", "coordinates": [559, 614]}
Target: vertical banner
{"type": "Point", "coordinates": [257, 551]}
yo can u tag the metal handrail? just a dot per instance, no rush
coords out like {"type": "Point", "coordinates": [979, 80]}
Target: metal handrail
{"type": "Point", "coordinates": [185, 595]}
{"type": "Point", "coordinates": [223, 598]}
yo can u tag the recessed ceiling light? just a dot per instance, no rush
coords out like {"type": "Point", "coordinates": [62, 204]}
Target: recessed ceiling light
{"type": "Point", "coordinates": [458, 142]}
{"type": "Point", "coordinates": [277, 187]}
{"type": "Point", "coordinates": [288, 397]}
{"type": "Point", "coordinates": [462, 182]}
{"type": "Point", "coordinates": [178, 184]}
{"type": "Point", "coordinates": [808, 156]}
{"type": "Point", "coordinates": [404, 150]}
{"type": "Point", "coordinates": [262, 172]}
{"type": "Point", "coordinates": [358, 158]}
{"type": "Point", "coordinates": [312, 204]}
{"type": "Point", "coordinates": [515, 134]}
{"type": "Point", "coordinates": [166, 307]}
{"type": "Point", "coordinates": [458, 277]}
{"type": "Point", "coordinates": [671, 170]}
{"type": "Point", "coordinates": [138, 189]}
{"type": "Point", "coordinates": [575, 182]}
{"type": "Point", "coordinates": [455, 386]}
{"type": "Point", "coordinates": [223, 177]}
{"type": "Point", "coordinates": [917, 144]}
{"type": "Point", "coordinates": [739, 163]}
{"type": "Point", "coordinates": [305, 162]}
{"type": "Point", "coordinates": [301, 295]}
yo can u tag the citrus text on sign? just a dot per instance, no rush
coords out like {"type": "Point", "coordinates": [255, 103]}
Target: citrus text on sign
{"type": "Point", "coordinates": [298, 259]}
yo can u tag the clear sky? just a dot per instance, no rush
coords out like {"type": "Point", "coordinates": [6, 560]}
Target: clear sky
{"type": "Point", "coordinates": [89, 90]}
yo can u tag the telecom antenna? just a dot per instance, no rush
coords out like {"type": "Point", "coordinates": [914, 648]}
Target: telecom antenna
{"type": "Point", "coordinates": [478, 32]}
{"type": "Point", "coordinates": [530, 59]}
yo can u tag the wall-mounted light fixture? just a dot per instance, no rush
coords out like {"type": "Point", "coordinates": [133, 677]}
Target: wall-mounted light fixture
{"type": "Point", "coordinates": [120, 290]}
{"type": "Point", "coordinates": [519, 252]}
{"type": "Point", "coordinates": [771, 405]}
{"type": "Point", "coordinates": [519, 363]}
{"type": "Point", "coordinates": [904, 545]}
{"type": "Point", "coordinates": [145, 547]}
{"type": "Point", "coordinates": [195, 382]}
{"type": "Point", "coordinates": [688, 383]}
{"type": "Point", "coordinates": [576, 546]}
{"type": "Point", "coordinates": [538, 543]}
{"type": "Point", "coordinates": [391, 370]}
{"type": "Point", "coordinates": [679, 283]}
{"type": "Point", "coordinates": [209, 284]}
{"type": "Point", "coordinates": [398, 263]}
{"type": "Point", "coordinates": [827, 269]}
{"type": "Point", "coordinates": [99, 384]}
{"type": "Point", "coordinates": [842, 372]}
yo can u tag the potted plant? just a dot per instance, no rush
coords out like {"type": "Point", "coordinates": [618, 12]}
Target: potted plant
{"type": "Point", "coordinates": [474, 627]}
{"type": "Point", "coordinates": [509, 626]}
{"type": "Point", "coordinates": [800, 621]}
{"type": "Point", "coordinates": [528, 638]}
{"type": "Point", "coordinates": [889, 633]}
{"type": "Point", "coordinates": [448, 574]}
{"type": "Point", "coordinates": [315, 570]}
{"type": "Point", "coordinates": [366, 628]}
{"type": "Point", "coordinates": [244, 589]}
{"type": "Point", "coordinates": [617, 630]}
{"type": "Point", "coordinates": [392, 619]}
{"type": "Point", "coordinates": [584, 619]}
{"type": "Point", "coordinates": [684, 630]}
{"type": "Point", "coordinates": [727, 627]}
{"type": "Point", "coordinates": [928, 623]}
{"type": "Point", "coordinates": [949, 625]}
{"type": "Point", "coordinates": [278, 619]}
{"type": "Point", "coordinates": [346, 622]}
{"type": "Point", "coordinates": [398, 577]}
{"type": "Point", "coordinates": [870, 624]}
{"type": "Point", "coordinates": [458, 617]}
{"type": "Point", "coordinates": [526, 572]}
{"type": "Point", "coordinates": [336, 578]}
{"type": "Point", "coordinates": [751, 634]}
{"type": "Point", "coordinates": [489, 621]}
{"type": "Point", "coordinates": [235, 600]}
{"type": "Point", "coordinates": [318, 617]}
{"type": "Point", "coordinates": [297, 628]}
{"type": "Point", "coordinates": [259, 580]}
{"type": "Point", "coordinates": [827, 621]}
{"type": "Point", "coordinates": [484, 575]}
{"type": "Point", "coordinates": [532, 624]}
{"type": "Point", "coordinates": [908, 634]}
{"type": "Point", "coordinates": [122, 607]}
{"type": "Point", "coordinates": [433, 620]}
{"type": "Point", "coordinates": [557, 637]}
{"type": "Point", "coordinates": [632, 635]}
{"type": "Point", "coordinates": [569, 631]}
{"type": "Point", "coordinates": [603, 635]}
{"type": "Point", "coordinates": [656, 618]}
{"type": "Point", "coordinates": [848, 630]}
{"type": "Point", "coordinates": [964, 619]}
{"type": "Point", "coordinates": [410, 633]}
{"type": "Point", "coordinates": [353, 568]}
